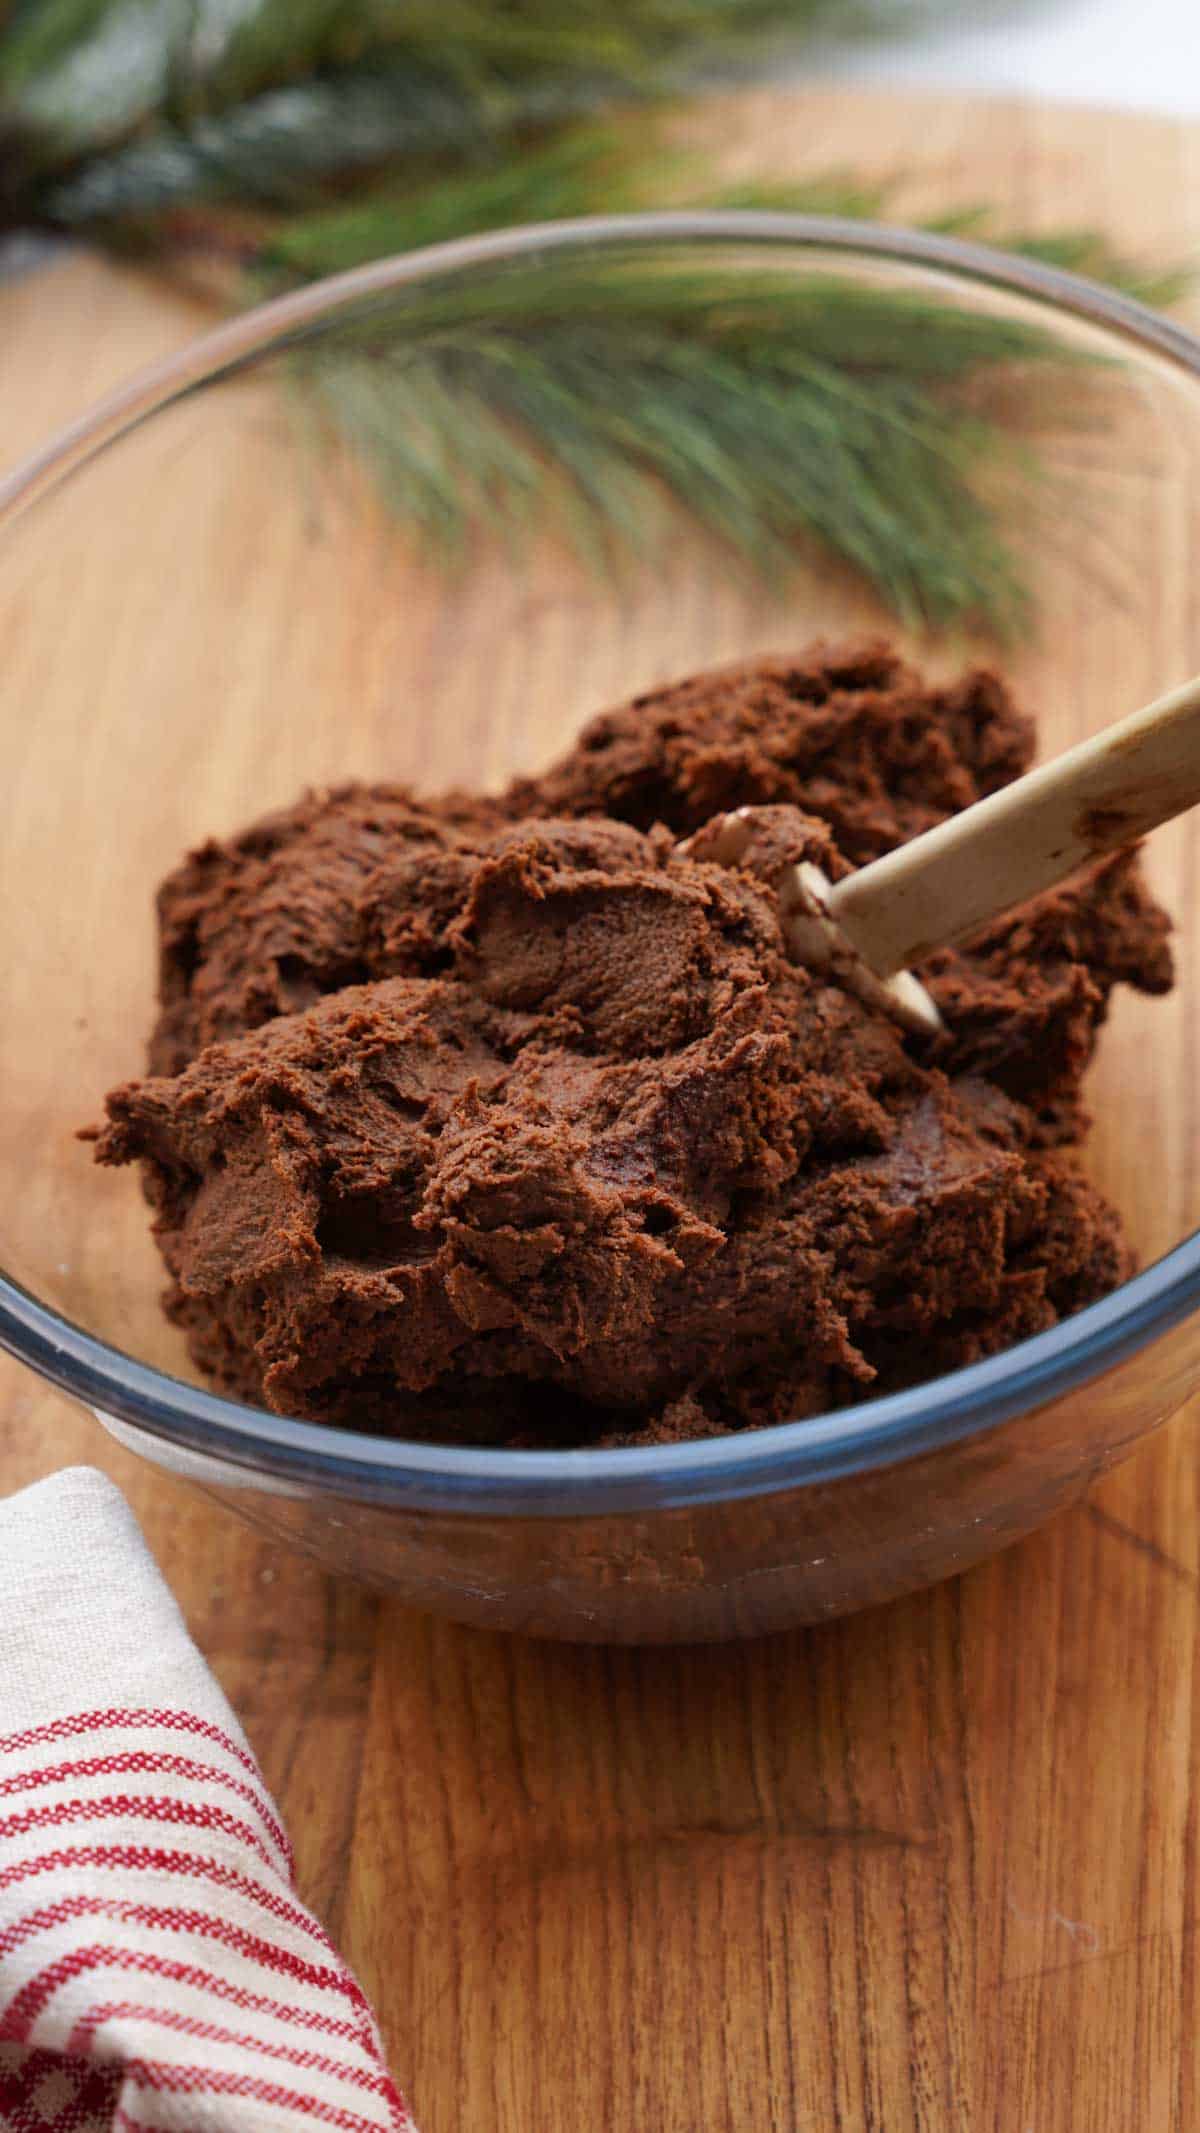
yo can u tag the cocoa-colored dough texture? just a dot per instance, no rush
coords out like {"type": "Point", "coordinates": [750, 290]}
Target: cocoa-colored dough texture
{"type": "Point", "coordinates": [513, 1121]}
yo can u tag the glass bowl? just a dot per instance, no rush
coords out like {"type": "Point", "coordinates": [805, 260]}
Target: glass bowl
{"type": "Point", "coordinates": [204, 610]}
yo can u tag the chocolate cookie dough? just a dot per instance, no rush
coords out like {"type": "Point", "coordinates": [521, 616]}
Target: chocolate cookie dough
{"type": "Point", "coordinates": [514, 1122]}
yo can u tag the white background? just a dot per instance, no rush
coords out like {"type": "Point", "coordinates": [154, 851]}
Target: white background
{"type": "Point", "coordinates": [1140, 53]}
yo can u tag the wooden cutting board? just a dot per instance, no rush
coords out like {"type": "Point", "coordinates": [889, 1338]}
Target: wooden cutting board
{"type": "Point", "coordinates": [933, 1868]}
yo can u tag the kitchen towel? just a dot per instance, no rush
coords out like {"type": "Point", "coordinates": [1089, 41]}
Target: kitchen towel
{"type": "Point", "coordinates": [157, 1970]}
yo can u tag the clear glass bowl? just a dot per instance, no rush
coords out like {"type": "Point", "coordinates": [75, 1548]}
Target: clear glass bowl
{"type": "Point", "coordinates": [200, 615]}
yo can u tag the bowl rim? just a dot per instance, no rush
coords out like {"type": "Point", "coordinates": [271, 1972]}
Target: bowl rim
{"type": "Point", "coordinates": [264, 1448]}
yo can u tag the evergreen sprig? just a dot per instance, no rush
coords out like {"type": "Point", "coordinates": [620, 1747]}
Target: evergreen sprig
{"type": "Point", "coordinates": [781, 410]}
{"type": "Point", "coordinates": [136, 105]}
{"type": "Point", "coordinates": [465, 426]}
{"type": "Point", "coordinates": [264, 143]}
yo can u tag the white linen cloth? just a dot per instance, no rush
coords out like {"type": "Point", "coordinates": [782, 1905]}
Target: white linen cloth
{"type": "Point", "coordinates": [157, 1972]}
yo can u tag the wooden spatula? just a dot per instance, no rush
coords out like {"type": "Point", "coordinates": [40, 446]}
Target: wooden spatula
{"type": "Point", "coordinates": [945, 884]}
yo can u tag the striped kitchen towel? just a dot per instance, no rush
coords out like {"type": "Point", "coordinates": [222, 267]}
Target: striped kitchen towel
{"type": "Point", "coordinates": [157, 1971]}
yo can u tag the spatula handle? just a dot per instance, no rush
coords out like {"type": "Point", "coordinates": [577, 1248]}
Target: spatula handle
{"type": "Point", "coordinates": [1097, 797]}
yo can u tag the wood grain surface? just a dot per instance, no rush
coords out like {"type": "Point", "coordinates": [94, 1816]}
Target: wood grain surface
{"type": "Point", "coordinates": [932, 1868]}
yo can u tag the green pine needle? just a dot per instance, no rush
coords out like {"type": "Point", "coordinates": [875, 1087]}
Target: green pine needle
{"type": "Point", "coordinates": [784, 413]}
{"type": "Point", "coordinates": [1085, 252]}
{"type": "Point", "coordinates": [881, 478]}
{"type": "Point", "coordinates": [780, 412]}
{"type": "Point", "coordinates": [143, 104]}
{"type": "Point", "coordinates": [578, 169]}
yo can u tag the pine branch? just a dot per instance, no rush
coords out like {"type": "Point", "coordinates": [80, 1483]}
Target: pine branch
{"type": "Point", "coordinates": [613, 166]}
{"type": "Point", "coordinates": [1085, 251]}
{"type": "Point", "coordinates": [778, 411]}
{"type": "Point", "coordinates": [579, 169]}
{"type": "Point", "coordinates": [141, 104]}
{"type": "Point", "coordinates": [280, 150]}
{"type": "Point", "coordinates": [882, 479]}
{"type": "Point", "coordinates": [781, 412]}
